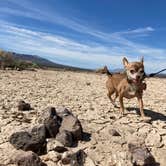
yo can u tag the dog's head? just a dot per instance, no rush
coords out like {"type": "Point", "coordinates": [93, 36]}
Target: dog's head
{"type": "Point", "coordinates": [134, 70]}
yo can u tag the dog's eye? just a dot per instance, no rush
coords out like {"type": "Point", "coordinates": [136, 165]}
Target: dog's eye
{"type": "Point", "coordinates": [132, 71]}
{"type": "Point", "coordinates": [142, 71]}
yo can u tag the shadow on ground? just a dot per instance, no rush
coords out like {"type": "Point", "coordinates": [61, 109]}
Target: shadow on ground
{"type": "Point", "coordinates": [86, 137]}
{"type": "Point", "coordinates": [153, 115]}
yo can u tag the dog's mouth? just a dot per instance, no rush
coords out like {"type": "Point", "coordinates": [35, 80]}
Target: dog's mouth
{"type": "Point", "coordinates": [136, 81]}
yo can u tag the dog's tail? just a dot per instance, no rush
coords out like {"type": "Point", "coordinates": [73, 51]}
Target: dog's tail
{"type": "Point", "coordinates": [106, 71]}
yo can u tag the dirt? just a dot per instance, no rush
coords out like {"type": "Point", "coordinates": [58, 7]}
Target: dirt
{"type": "Point", "coordinates": [85, 95]}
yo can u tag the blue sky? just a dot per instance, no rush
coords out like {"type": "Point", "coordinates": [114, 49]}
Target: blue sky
{"type": "Point", "coordinates": [86, 33]}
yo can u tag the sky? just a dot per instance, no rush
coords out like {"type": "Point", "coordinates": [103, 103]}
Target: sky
{"type": "Point", "coordinates": [86, 33]}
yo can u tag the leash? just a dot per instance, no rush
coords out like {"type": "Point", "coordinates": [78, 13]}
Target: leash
{"type": "Point", "coordinates": [153, 74]}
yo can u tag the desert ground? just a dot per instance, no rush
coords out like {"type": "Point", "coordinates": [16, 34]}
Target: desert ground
{"type": "Point", "coordinates": [85, 95]}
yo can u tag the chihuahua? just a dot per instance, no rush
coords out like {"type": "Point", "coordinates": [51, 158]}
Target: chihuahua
{"type": "Point", "coordinates": [128, 84]}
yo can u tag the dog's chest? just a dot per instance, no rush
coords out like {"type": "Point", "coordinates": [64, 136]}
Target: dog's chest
{"type": "Point", "coordinates": [131, 91]}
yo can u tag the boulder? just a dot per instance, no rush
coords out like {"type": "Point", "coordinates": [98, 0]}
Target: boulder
{"type": "Point", "coordinates": [34, 141]}
{"type": "Point", "coordinates": [140, 156]}
{"type": "Point", "coordinates": [52, 127]}
{"type": "Point", "coordinates": [62, 112]}
{"type": "Point", "coordinates": [78, 158]}
{"type": "Point", "coordinates": [73, 125]}
{"type": "Point", "coordinates": [39, 132]}
{"type": "Point", "coordinates": [51, 122]}
{"type": "Point", "coordinates": [65, 137]}
{"type": "Point", "coordinates": [29, 159]}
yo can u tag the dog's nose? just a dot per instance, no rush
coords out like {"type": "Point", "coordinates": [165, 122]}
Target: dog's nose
{"type": "Point", "coordinates": [137, 77]}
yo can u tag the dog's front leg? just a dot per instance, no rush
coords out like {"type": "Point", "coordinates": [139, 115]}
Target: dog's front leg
{"type": "Point", "coordinates": [121, 104]}
{"type": "Point", "coordinates": [140, 101]}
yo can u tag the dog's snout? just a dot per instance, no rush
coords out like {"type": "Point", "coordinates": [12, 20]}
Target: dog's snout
{"type": "Point", "coordinates": [138, 77]}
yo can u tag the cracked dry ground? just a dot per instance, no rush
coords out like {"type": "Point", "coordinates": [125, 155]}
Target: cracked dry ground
{"type": "Point", "coordinates": [85, 95]}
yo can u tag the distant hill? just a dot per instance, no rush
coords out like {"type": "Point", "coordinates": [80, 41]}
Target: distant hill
{"type": "Point", "coordinates": [44, 63]}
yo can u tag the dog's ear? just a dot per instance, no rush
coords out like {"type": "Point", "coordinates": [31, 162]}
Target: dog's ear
{"type": "Point", "coordinates": [142, 59]}
{"type": "Point", "coordinates": [125, 62]}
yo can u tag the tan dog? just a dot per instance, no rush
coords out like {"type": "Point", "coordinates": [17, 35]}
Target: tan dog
{"type": "Point", "coordinates": [128, 84]}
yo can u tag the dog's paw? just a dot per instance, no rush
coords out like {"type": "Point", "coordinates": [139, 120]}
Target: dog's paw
{"type": "Point", "coordinates": [145, 119]}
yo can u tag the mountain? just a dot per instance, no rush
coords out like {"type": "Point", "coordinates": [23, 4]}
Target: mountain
{"type": "Point", "coordinates": [44, 63]}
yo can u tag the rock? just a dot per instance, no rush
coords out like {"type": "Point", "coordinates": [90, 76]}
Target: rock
{"type": "Point", "coordinates": [65, 137]}
{"type": "Point", "coordinates": [72, 124]}
{"type": "Point", "coordinates": [8, 154]}
{"type": "Point", "coordinates": [62, 112]}
{"type": "Point", "coordinates": [74, 158]}
{"type": "Point", "coordinates": [113, 132]}
{"type": "Point", "coordinates": [50, 163]}
{"type": "Point", "coordinates": [153, 139]}
{"type": "Point", "coordinates": [54, 145]}
{"type": "Point", "coordinates": [20, 139]}
{"type": "Point", "coordinates": [66, 158]}
{"type": "Point", "coordinates": [88, 83]}
{"type": "Point", "coordinates": [50, 112]}
{"type": "Point", "coordinates": [39, 132]}
{"type": "Point", "coordinates": [51, 121]}
{"type": "Point", "coordinates": [119, 158]}
{"type": "Point", "coordinates": [23, 106]}
{"type": "Point", "coordinates": [140, 155]}
{"type": "Point", "coordinates": [78, 158]}
{"type": "Point", "coordinates": [52, 127]}
{"type": "Point", "coordinates": [29, 159]}
{"type": "Point", "coordinates": [51, 156]}
{"type": "Point", "coordinates": [34, 141]}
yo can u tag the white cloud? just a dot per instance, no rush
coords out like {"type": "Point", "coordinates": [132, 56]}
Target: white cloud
{"type": "Point", "coordinates": [136, 31]}
{"type": "Point", "coordinates": [28, 41]}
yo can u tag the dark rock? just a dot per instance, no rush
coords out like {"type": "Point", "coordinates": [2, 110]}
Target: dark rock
{"type": "Point", "coordinates": [113, 132]}
{"type": "Point", "coordinates": [78, 158]}
{"type": "Point", "coordinates": [50, 112]}
{"type": "Point", "coordinates": [39, 133]}
{"type": "Point", "coordinates": [65, 137]}
{"type": "Point", "coordinates": [34, 141]}
{"type": "Point", "coordinates": [141, 156]}
{"type": "Point", "coordinates": [60, 149]}
{"type": "Point", "coordinates": [23, 106]}
{"type": "Point", "coordinates": [52, 127]}
{"type": "Point", "coordinates": [29, 159]}
{"type": "Point", "coordinates": [55, 145]}
{"type": "Point", "coordinates": [62, 112]}
{"type": "Point", "coordinates": [51, 122]}
{"type": "Point", "coordinates": [72, 124]}
{"type": "Point", "coordinates": [20, 139]}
